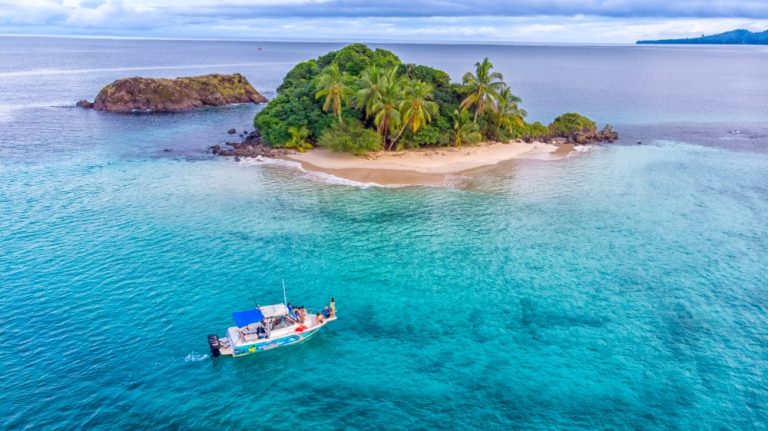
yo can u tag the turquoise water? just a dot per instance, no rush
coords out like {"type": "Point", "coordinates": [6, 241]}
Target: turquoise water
{"type": "Point", "coordinates": [623, 288]}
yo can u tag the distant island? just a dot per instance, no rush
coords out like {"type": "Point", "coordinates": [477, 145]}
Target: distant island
{"type": "Point", "coordinates": [734, 37]}
{"type": "Point", "coordinates": [148, 95]}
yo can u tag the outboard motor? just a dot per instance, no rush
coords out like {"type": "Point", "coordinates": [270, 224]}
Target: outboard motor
{"type": "Point", "coordinates": [214, 345]}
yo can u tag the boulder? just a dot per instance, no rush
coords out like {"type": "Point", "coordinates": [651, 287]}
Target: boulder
{"type": "Point", "coordinates": [175, 95]}
{"type": "Point", "coordinates": [607, 134]}
{"type": "Point", "coordinates": [587, 136]}
{"type": "Point", "coordinates": [85, 104]}
{"type": "Point", "coordinates": [251, 146]}
{"type": "Point", "coordinates": [232, 131]}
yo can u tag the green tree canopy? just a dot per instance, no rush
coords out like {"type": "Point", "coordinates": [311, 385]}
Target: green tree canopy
{"type": "Point", "coordinates": [482, 88]}
{"type": "Point", "coordinates": [405, 105]}
{"type": "Point", "coordinates": [464, 129]}
{"type": "Point", "coordinates": [332, 86]}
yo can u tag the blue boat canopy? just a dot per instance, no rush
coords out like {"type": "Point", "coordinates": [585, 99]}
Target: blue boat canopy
{"type": "Point", "coordinates": [245, 318]}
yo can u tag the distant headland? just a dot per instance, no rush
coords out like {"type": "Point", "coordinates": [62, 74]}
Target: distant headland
{"type": "Point", "coordinates": [734, 37]}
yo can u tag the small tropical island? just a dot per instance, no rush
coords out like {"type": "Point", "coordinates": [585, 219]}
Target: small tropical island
{"type": "Point", "coordinates": [150, 95]}
{"type": "Point", "coordinates": [734, 37]}
{"type": "Point", "coordinates": [367, 116]}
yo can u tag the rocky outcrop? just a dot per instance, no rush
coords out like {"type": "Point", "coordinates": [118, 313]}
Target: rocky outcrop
{"type": "Point", "coordinates": [84, 104]}
{"type": "Point", "coordinates": [251, 146]}
{"type": "Point", "coordinates": [174, 95]}
{"type": "Point", "coordinates": [584, 137]}
{"type": "Point", "coordinates": [581, 138]}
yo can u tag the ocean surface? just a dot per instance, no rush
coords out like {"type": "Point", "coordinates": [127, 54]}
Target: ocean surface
{"type": "Point", "coordinates": [625, 287]}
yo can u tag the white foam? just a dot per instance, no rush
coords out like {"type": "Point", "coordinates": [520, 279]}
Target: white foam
{"type": "Point", "coordinates": [581, 149]}
{"type": "Point", "coordinates": [321, 177]}
{"type": "Point", "coordinates": [195, 357]}
{"type": "Point", "coordinates": [454, 180]}
{"type": "Point", "coordinates": [7, 110]}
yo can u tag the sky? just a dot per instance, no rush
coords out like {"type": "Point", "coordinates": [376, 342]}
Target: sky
{"type": "Point", "coordinates": [471, 21]}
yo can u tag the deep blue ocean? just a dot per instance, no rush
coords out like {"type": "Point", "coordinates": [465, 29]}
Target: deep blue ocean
{"type": "Point", "coordinates": [623, 288]}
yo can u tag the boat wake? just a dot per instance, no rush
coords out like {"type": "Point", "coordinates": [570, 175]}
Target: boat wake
{"type": "Point", "coordinates": [195, 357]}
{"type": "Point", "coordinates": [8, 111]}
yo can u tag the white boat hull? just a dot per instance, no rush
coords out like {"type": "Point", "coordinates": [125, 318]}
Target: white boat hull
{"type": "Point", "coordinates": [236, 345]}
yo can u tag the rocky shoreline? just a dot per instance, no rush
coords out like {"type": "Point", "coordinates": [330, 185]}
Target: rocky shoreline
{"type": "Point", "coordinates": [607, 134]}
{"type": "Point", "coordinates": [250, 146]}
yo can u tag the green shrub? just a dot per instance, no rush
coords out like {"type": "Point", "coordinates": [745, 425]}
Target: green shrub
{"type": "Point", "coordinates": [351, 136]}
{"type": "Point", "coordinates": [302, 72]}
{"type": "Point", "coordinates": [570, 123]}
{"type": "Point", "coordinates": [535, 130]}
{"type": "Point", "coordinates": [298, 140]}
{"type": "Point", "coordinates": [354, 58]}
{"type": "Point", "coordinates": [294, 108]}
{"type": "Point", "coordinates": [427, 136]}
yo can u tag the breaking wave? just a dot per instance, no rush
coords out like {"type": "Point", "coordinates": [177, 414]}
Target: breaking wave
{"type": "Point", "coordinates": [320, 177]}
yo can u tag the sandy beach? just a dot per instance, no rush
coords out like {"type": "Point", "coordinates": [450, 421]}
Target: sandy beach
{"type": "Point", "coordinates": [428, 167]}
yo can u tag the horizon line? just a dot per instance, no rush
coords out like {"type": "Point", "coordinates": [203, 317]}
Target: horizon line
{"type": "Point", "coordinates": [316, 41]}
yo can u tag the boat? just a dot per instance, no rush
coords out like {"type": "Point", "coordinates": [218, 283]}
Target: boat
{"type": "Point", "coordinates": [268, 327]}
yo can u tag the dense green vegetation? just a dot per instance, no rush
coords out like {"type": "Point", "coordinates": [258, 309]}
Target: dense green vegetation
{"type": "Point", "coordinates": [359, 100]}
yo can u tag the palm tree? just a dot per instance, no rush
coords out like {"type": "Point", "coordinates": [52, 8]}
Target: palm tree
{"type": "Point", "coordinates": [298, 139]}
{"type": "Point", "coordinates": [388, 117]}
{"type": "Point", "coordinates": [370, 90]}
{"type": "Point", "coordinates": [464, 130]}
{"type": "Point", "coordinates": [482, 88]}
{"type": "Point", "coordinates": [416, 109]}
{"type": "Point", "coordinates": [508, 113]}
{"type": "Point", "coordinates": [333, 86]}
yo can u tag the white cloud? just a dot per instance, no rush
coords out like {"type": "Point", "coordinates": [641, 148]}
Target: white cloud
{"type": "Point", "coordinates": [110, 14]}
{"type": "Point", "coordinates": [259, 19]}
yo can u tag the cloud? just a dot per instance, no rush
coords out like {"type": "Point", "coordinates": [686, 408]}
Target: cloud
{"type": "Point", "coordinates": [499, 8]}
{"type": "Point", "coordinates": [109, 14]}
{"type": "Point", "coordinates": [395, 20]}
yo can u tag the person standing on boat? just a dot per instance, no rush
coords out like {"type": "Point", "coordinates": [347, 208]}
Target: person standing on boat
{"type": "Point", "coordinates": [292, 312]}
{"type": "Point", "coordinates": [333, 308]}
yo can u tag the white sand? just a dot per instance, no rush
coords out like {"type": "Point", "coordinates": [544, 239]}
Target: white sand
{"type": "Point", "coordinates": [422, 166]}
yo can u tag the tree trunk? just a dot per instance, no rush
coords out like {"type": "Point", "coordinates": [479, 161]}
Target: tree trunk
{"type": "Point", "coordinates": [479, 108]}
{"type": "Point", "coordinates": [386, 132]}
{"type": "Point", "coordinates": [398, 135]}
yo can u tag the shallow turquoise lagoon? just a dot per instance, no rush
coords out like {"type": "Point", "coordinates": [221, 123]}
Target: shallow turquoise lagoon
{"type": "Point", "coordinates": [622, 288]}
